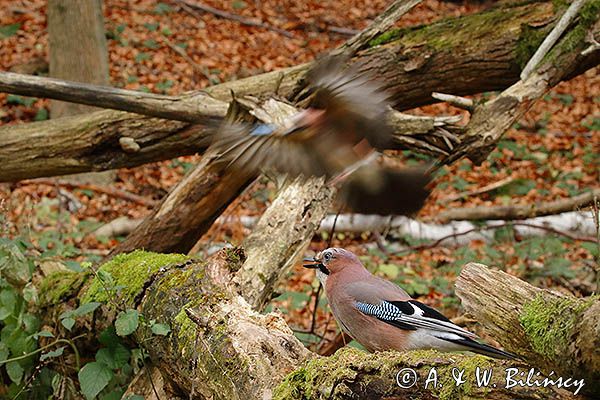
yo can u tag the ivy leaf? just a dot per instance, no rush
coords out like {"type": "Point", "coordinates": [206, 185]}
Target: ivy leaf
{"type": "Point", "coordinates": [14, 371]}
{"type": "Point", "coordinates": [86, 308]}
{"type": "Point", "coordinates": [3, 352]}
{"type": "Point", "coordinates": [127, 322]}
{"type": "Point", "coordinates": [113, 357]}
{"type": "Point", "coordinates": [68, 323]}
{"type": "Point", "coordinates": [161, 329]}
{"type": "Point", "coordinates": [8, 300]}
{"type": "Point", "coordinates": [54, 353]}
{"type": "Point", "coordinates": [40, 334]}
{"type": "Point", "coordinates": [94, 377]}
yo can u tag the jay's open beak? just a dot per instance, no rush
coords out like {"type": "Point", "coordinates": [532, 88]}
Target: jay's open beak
{"type": "Point", "coordinates": [310, 262]}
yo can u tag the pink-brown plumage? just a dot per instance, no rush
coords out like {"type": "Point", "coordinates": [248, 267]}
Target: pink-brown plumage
{"type": "Point", "coordinates": [381, 316]}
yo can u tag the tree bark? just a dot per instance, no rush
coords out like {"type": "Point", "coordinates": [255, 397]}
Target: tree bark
{"type": "Point", "coordinates": [462, 56]}
{"type": "Point", "coordinates": [91, 142]}
{"type": "Point", "coordinates": [554, 332]}
{"type": "Point", "coordinates": [492, 119]}
{"type": "Point", "coordinates": [191, 207]}
{"type": "Point", "coordinates": [281, 236]}
{"type": "Point", "coordinates": [186, 108]}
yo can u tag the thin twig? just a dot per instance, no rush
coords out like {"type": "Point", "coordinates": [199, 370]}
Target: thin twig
{"type": "Point", "coordinates": [113, 192]}
{"type": "Point", "coordinates": [234, 17]}
{"type": "Point", "coordinates": [187, 58]}
{"type": "Point", "coordinates": [594, 44]}
{"type": "Point", "coordinates": [382, 23]}
{"type": "Point", "coordinates": [552, 37]}
{"type": "Point", "coordinates": [456, 101]}
{"type": "Point", "coordinates": [342, 31]}
{"type": "Point", "coordinates": [314, 312]}
{"type": "Point", "coordinates": [481, 190]}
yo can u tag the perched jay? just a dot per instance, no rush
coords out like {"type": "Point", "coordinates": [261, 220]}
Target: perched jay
{"type": "Point", "coordinates": [335, 137]}
{"type": "Point", "coordinates": [381, 316]}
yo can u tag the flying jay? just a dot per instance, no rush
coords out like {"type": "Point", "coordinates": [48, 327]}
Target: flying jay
{"type": "Point", "coordinates": [336, 136]}
{"type": "Point", "coordinates": [381, 316]}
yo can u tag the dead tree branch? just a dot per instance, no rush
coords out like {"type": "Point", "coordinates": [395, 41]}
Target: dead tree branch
{"type": "Point", "coordinates": [382, 23]}
{"type": "Point", "coordinates": [219, 347]}
{"type": "Point", "coordinates": [110, 191]}
{"type": "Point", "coordinates": [188, 108]}
{"type": "Point", "coordinates": [552, 37]}
{"type": "Point", "coordinates": [519, 212]}
{"type": "Point", "coordinates": [195, 5]}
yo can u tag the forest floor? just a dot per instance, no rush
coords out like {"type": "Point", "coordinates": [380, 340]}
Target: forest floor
{"type": "Point", "coordinates": [551, 153]}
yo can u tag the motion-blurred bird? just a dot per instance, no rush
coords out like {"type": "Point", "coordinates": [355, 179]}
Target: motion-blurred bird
{"type": "Point", "coordinates": [336, 137]}
{"type": "Point", "coordinates": [381, 316]}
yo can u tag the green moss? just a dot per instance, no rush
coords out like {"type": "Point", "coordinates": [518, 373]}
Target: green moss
{"type": "Point", "coordinates": [60, 285]}
{"type": "Point", "coordinates": [448, 390]}
{"type": "Point", "coordinates": [529, 41]}
{"type": "Point", "coordinates": [178, 278]}
{"type": "Point", "coordinates": [452, 31]}
{"type": "Point", "coordinates": [319, 376]}
{"type": "Point", "coordinates": [306, 383]}
{"type": "Point", "coordinates": [559, 5]}
{"type": "Point", "coordinates": [549, 321]}
{"type": "Point", "coordinates": [235, 258]}
{"type": "Point", "coordinates": [186, 330]}
{"type": "Point", "coordinates": [129, 272]}
{"type": "Point", "coordinates": [571, 40]}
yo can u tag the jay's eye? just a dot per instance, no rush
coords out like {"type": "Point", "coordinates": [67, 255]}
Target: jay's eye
{"type": "Point", "coordinates": [327, 257]}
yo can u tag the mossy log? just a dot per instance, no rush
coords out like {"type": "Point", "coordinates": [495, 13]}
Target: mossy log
{"type": "Point", "coordinates": [220, 348]}
{"type": "Point", "coordinates": [462, 56]}
{"type": "Point", "coordinates": [554, 332]}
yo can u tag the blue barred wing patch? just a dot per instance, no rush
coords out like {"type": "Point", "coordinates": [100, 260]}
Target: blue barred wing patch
{"type": "Point", "coordinates": [385, 311]}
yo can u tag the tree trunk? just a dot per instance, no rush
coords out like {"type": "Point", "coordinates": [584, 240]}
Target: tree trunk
{"type": "Point", "coordinates": [78, 51]}
{"type": "Point", "coordinates": [462, 56]}
{"type": "Point", "coordinates": [77, 47]}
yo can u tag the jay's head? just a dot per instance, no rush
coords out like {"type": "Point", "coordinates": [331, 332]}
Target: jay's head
{"type": "Point", "coordinates": [332, 261]}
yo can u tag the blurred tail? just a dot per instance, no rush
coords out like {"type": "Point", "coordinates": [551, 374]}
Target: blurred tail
{"type": "Point", "coordinates": [386, 191]}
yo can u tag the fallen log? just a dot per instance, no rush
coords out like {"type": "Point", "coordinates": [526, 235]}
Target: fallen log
{"type": "Point", "coordinates": [553, 331]}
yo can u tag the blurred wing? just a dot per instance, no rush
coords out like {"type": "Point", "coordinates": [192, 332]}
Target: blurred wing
{"type": "Point", "coordinates": [385, 191]}
{"type": "Point", "coordinates": [355, 101]}
{"type": "Point", "coordinates": [253, 149]}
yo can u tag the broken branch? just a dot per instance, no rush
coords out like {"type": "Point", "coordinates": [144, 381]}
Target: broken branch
{"type": "Point", "coordinates": [519, 212]}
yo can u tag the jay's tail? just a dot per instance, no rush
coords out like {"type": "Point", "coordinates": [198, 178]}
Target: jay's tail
{"type": "Point", "coordinates": [480, 348]}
